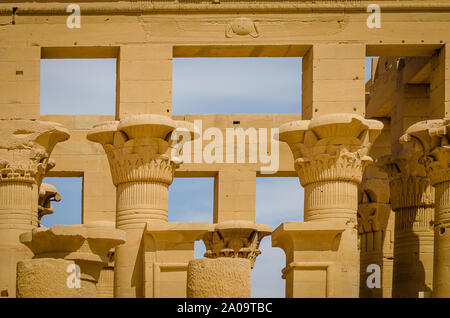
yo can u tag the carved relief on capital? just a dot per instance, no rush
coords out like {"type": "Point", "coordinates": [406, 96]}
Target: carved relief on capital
{"type": "Point", "coordinates": [235, 239]}
{"type": "Point", "coordinates": [374, 207]}
{"type": "Point", "coordinates": [25, 148]}
{"type": "Point", "coordinates": [139, 148]}
{"type": "Point", "coordinates": [409, 185]}
{"type": "Point", "coordinates": [331, 147]}
{"type": "Point", "coordinates": [47, 194]}
{"type": "Point", "coordinates": [431, 140]}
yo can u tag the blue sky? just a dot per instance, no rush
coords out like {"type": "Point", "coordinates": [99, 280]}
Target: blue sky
{"type": "Point", "coordinates": [200, 86]}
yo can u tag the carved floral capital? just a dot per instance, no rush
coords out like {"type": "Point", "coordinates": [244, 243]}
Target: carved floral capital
{"type": "Point", "coordinates": [25, 148]}
{"type": "Point", "coordinates": [373, 208]}
{"type": "Point", "coordinates": [409, 184]}
{"type": "Point", "coordinates": [331, 147]}
{"type": "Point", "coordinates": [140, 147]}
{"type": "Point", "coordinates": [235, 239]}
{"type": "Point", "coordinates": [431, 139]}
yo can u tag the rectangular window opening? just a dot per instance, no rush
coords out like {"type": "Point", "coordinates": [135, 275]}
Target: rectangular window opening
{"type": "Point", "coordinates": [76, 86]}
{"type": "Point", "coordinates": [287, 207]}
{"type": "Point", "coordinates": [68, 210]}
{"type": "Point", "coordinates": [237, 85]}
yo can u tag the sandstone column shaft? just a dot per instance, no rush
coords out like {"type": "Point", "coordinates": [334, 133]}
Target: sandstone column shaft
{"type": "Point", "coordinates": [25, 148]}
{"type": "Point", "coordinates": [140, 156]}
{"type": "Point", "coordinates": [231, 251]}
{"type": "Point", "coordinates": [18, 214]}
{"type": "Point", "coordinates": [330, 155]}
{"type": "Point", "coordinates": [413, 203]}
{"type": "Point", "coordinates": [442, 241]}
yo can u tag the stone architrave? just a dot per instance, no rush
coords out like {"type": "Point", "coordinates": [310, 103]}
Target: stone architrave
{"type": "Point", "coordinates": [431, 140]}
{"type": "Point", "coordinates": [79, 250]}
{"type": "Point", "coordinates": [25, 148]}
{"type": "Point", "coordinates": [330, 155]}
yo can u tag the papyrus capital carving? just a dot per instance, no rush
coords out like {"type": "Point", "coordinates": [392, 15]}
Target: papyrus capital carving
{"type": "Point", "coordinates": [236, 239]}
{"type": "Point", "coordinates": [331, 147]}
{"type": "Point", "coordinates": [139, 147]}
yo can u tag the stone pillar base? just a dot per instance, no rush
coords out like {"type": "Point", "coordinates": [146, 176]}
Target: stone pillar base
{"type": "Point", "coordinates": [322, 259]}
{"type": "Point", "coordinates": [48, 278]}
{"type": "Point", "coordinates": [221, 277]}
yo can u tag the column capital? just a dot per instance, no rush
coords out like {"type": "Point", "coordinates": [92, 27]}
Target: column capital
{"type": "Point", "coordinates": [331, 147]}
{"type": "Point", "coordinates": [374, 207]}
{"type": "Point", "coordinates": [409, 184]}
{"type": "Point", "coordinates": [25, 148]}
{"type": "Point", "coordinates": [86, 244]}
{"type": "Point", "coordinates": [431, 139]}
{"type": "Point", "coordinates": [235, 239]}
{"type": "Point", "coordinates": [139, 147]}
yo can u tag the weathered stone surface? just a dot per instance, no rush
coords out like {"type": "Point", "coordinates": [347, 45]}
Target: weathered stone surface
{"type": "Point", "coordinates": [235, 239]}
{"type": "Point", "coordinates": [86, 245]}
{"type": "Point", "coordinates": [48, 278]}
{"type": "Point", "coordinates": [221, 277]}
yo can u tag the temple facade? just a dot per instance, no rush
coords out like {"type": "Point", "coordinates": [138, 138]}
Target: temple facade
{"type": "Point", "coordinates": [373, 157]}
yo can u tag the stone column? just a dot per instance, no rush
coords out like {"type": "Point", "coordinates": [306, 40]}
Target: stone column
{"type": "Point", "coordinates": [431, 140]}
{"type": "Point", "coordinates": [412, 199]}
{"type": "Point", "coordinates": [139, 150]}
{"type": "Point", "coordinates": [330, 154]}
{"type": "Point", "coordinates": [105, 284]}
{"type": "Point", "coordinates": [25, 148]}
{"type": "Point", "coordinates": [376, 228]}
{"type": "Point", "coordinates": [55, 249]}
{"type": "Point", "coordinates": [225, 272]}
